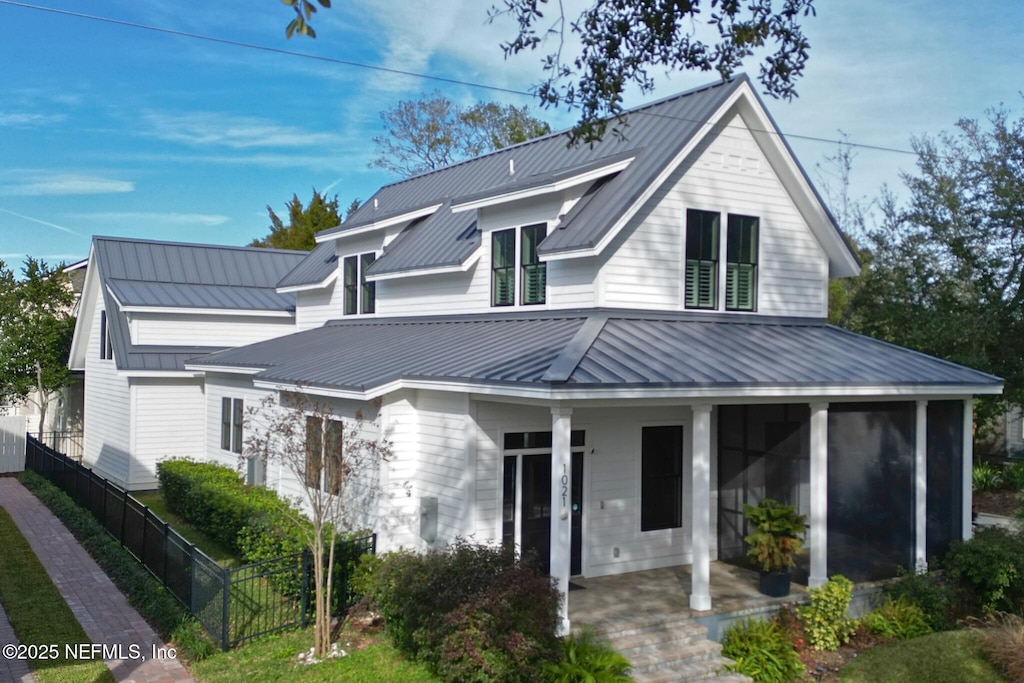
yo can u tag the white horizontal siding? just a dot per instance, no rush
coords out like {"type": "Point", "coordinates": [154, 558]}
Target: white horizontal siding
{"type": "Point", "coordinates": [728, 174]}
{"type": "Point", "coordinates": [462, 292]}
{"type": "Point", "coordinates": [107, 410]}
{"type": "Point", "coordinates": [168, 422]}
{"type": "Point", "coordinates": [315, 307]}
{"type": "Point", "coordinates": [571, 283]}
{"type": "Point", "coordinates": [206, 330]}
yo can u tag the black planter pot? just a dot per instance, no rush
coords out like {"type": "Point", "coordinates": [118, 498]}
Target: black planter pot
{"type": "Point", "coordinates": [774, 584]}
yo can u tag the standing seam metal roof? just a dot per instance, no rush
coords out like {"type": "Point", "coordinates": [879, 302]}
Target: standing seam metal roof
{"type": "Point", "coordinates": [174, 273]}
{"type": "Point", "coordinates": [631, 349]}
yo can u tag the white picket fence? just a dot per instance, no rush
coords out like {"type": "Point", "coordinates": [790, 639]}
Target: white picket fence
{"type": "Point", "coordinates": [12, 444]}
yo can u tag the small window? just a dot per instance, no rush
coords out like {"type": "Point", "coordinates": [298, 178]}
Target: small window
{"type": "Point", "coordinates": [351, 282]}
{"type": "Point", "coordinates": [232, 420]}
{"type": "Point", "coordinates": [326, 476]}
{"type": "Point", "coordinates": [741, 264]}
{"type": "Point", "coordinates": [661, 496]}
{"type": "Point", "coordinates": [701, 259]}
{"type": "Point", "coordinates": [106, 347]}
{"type": "Point", "coordinates": [508, 502]}
{"type": "Point", "coordinates": [534, 273]}
{"type": "Point", "coordinates": [503, 269]}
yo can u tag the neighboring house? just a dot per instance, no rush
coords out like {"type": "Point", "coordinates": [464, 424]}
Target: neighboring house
{"type": "Point", "coordinates": [64, 411]}
{"type": "Point", "coordinates": [1005, 438]}
{"type": "Point", "coordinates": [146, 308]}
{"type": "Point", "coordinates": [599, 353]}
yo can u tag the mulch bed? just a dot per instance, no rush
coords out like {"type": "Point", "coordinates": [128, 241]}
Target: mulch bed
{"type": "Point", "coordinates": [825, 666]}
{"type": "Point", "coordinates": [997, 502]}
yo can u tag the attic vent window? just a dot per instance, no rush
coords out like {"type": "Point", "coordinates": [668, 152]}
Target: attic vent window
{"type": "Point", "coordinates": [375, 204]}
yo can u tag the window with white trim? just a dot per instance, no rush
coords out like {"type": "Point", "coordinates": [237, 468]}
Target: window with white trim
{"type": "Point", "coordinates": [323, 455]}
{"type": "Point", "coordinates": [518, 276]}
{"type": "Point", "coordinates": [661, 493]}
{"type": "Point", "coordinates": [106, 347]}
{"type": "Point", "coordinates": [232, 418]}
{"type": "Point", "coordinates": [705, 250]}
{"type": "Point", "coordinates": [359, 294]}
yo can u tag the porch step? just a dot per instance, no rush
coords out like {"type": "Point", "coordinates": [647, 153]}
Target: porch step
{"type": "Point", "coordinates": [667, 649]}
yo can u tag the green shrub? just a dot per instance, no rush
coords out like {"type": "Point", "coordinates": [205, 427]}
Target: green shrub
{"type": "Point", "coordinates": [762, 650]}
{"type": "Point", "coordinates": [191, 641]}
{"type": "Point", "coordinates": [900, 619]}
{"type": "Point", "coordinates": [586, 659]}
{"type": "Point", "coordinates": [933, 594]}
{"type": "Point", "coordinates": [988, 570]}
{"type": "Point", "coordinates": [468, 606]}
{"type": "Point", "coordinates": [825, 619]}
{"type": "Point", "coordinates": [986, 477]}
{"type": "Point", "coordinates": [1013, 476]}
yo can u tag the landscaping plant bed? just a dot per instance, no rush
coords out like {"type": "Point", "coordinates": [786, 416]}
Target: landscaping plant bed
{"type": "Point", "coordinates": [822, 665]}
{"type": "Point", "coordinates": [997, 502]}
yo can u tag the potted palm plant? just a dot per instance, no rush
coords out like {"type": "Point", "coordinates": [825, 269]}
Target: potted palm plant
{"type": "Point", "coordinates": [774, 542]}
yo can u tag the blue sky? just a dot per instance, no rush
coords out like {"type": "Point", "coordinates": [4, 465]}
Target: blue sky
{"type": "Point", "coordinates": [111, 130]}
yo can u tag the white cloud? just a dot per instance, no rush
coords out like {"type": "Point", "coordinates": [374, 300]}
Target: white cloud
{"type": "Point", "coordinates": [150, 217]}
{"type": "Point", "coordinates": [38, 184]}
{"type": "Point", "coordinates": [22, 119]}
{"type": "Point", "coordinates": [208, 129]}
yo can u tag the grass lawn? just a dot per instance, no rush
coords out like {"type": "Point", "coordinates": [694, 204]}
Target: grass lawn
{"type": "Point", "coordinates": [217, 552]}
{"type": "Point", "coordinates": [274, 659]}
{"type": "Point", "coordinates": [38, 613]}
{"type": "Point", "coordinates": [947, 657]}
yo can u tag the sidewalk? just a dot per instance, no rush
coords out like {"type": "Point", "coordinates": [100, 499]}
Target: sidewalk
{"type": "Point", "coordinates": [99, 606]}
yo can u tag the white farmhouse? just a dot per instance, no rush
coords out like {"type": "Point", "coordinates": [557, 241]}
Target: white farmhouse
{"type": "Point", "coordinates": [596, 353]}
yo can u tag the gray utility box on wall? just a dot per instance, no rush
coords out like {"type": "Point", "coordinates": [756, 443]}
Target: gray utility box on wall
{"type": "Point", "coordinates": [428, 519]}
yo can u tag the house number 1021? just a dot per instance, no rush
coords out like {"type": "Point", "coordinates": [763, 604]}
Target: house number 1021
{"type": "Point", "coordinates": [565, 485]}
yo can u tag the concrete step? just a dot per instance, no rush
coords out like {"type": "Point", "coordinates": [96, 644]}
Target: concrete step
{"type": "Point", "coordinates": [685, 672]}
{"type": "Point", "coordinates": [659, 639]}
{"type": "Point", "coordinates": [673, 657]}
{"type": "Point", "coordinates": [644, 624]}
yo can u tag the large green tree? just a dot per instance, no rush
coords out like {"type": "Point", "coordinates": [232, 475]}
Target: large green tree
{"type": "Point", "coordinates": [432, 132]}
{"type": "Point", "coordinates": [945, 269]}
{"type": "Point", "coordinates": [622, 41]}
{"type": "Point", "coordinates": [304, 221]}
{"type": "Point", "coordinates": [36, 327]}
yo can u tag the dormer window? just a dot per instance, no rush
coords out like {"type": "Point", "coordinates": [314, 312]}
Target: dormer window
{"type": "Point", "coordinates": [518, 277]}
{"type": "Point", "coordinates": [106, 347]}
{"type": "Point", "coordinates": [704, 251]}
{"type": "Point", "coordinates": [360, 295]}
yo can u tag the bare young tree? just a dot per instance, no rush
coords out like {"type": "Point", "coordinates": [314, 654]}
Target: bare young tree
{"type": "Point", "coordinates": [326, 455]}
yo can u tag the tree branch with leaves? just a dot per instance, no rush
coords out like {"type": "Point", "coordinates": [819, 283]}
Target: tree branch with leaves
{"type": "Point", "coordinates": [325, 455]}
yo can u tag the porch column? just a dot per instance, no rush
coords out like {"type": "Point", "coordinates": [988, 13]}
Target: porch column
{"type": "Point", "coordinates": [921, 488]}
{"type": "Point", "coordinates": [561, 502]}
{"type": "Point", "coordinates": [819, 495]}
{"type": "Point", "coordinates": [700, 497]}
{"type": "Point", "coordinates": [968, 471]}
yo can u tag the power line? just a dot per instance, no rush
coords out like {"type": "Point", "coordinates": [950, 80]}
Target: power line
{"type": "Point", "coordinates": [400, 72]}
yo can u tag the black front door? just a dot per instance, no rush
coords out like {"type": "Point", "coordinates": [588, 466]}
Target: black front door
{"type": "Point", "coordinates": [536, 512]}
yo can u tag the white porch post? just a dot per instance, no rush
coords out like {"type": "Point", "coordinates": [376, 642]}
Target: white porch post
{"type": "Point", "coordinates": [921, 488]}
{"type": "Point", "coordinates": [700, 497]}
{"type": "Point", "coordinates": [561, 502]}
{"type": "Point", "coordinates": [968, 471]}
{"type": "Point", "coordinates": [819, 495]}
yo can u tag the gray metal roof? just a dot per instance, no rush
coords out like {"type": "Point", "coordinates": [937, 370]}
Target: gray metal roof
{"type": "Point", "coordinates": [579, 350]}
{"type": "Point", "coordinates": [177, 295]}
{"type": "Point", "coordinates": [442, 239]}
{"type": "Point", "coordinates": [190, 275]}
{"type": "Point", "coordinates": [315, 267]}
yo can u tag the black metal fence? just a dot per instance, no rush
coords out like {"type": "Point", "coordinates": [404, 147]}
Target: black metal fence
{"type": "Point", "coordinates": [233, 604]}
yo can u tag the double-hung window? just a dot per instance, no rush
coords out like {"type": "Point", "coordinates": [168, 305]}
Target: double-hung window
{"type": "Point", "coordinates": [705, 250]}
{"type": "Point", "coordinates": [106, 348]}
{"type": "Point", "coordinates": [518, 277]}
{"type": "Point", "coordinates": [232, 417]}
{"type": "Point", "coordinates": [702, 259]}
{"type": "Point", "coordinates": [359, 294]}
{"type": "Point", "coordinates": [741, 263]}
{"type": "Point", "coordinates": [323, 454]}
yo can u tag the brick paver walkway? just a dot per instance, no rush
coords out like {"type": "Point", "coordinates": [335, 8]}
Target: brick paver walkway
{"type": "Point", "coordinates": [99, 606]}
{"type": "Point", "coordinates": [11, 669]}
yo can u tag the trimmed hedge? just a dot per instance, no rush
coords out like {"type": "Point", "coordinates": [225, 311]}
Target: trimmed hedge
{"type": "Point", "coordinates": [213, 499]}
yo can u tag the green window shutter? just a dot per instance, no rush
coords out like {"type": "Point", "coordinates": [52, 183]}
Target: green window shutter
{"type": "Point", "coordinates": [700, 283]}
{"type": "Point", "coordinates": [503, 268]}
{"type": "Point", "coordinates": [741, 263]}
{"type": "Point", "coordinates": [535, 273]}
{"type": "Point", "coordinates": [739, 287]}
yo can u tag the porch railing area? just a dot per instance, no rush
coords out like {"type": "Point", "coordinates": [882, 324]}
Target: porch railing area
{"type": "Point", "coordinates": [234, 604]}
